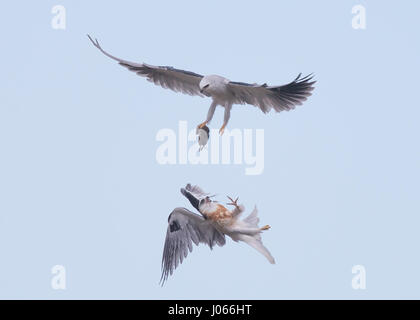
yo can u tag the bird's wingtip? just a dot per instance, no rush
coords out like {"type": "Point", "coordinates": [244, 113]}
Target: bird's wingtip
{"type": "Point", "coordinates": [91, 40]}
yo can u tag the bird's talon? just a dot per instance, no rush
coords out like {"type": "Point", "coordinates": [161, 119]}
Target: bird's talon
{"type": "Point", "coordinates": [233, 202]}
{"type": "Point", "coordinates": [202, 125]}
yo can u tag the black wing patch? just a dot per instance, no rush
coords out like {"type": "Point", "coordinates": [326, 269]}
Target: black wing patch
{"type": "Point", "coordinates": [195, 202]}
{"type": "Point", "coordinates": [174, 226]}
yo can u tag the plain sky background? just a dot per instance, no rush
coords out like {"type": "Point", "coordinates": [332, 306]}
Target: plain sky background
{"type": "Point", "coordinates": [80, 186]}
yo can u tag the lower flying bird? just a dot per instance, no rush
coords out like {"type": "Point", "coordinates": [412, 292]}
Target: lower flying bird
{"type": "Point", "coordinates": [210, 228]}
{"type": "Point", "coordinates": [223, 91]}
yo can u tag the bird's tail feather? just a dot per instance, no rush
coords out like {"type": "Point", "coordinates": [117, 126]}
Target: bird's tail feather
{"type": "Point", "coordinates": [257, 244]}
{"type": "Point", "coordinates": [252, 220]}
{"type": "Point", "coordinates": [253, 238]}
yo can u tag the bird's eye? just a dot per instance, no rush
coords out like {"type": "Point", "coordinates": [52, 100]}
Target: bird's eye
{"type": "Point", "coordinates": [206, 86]}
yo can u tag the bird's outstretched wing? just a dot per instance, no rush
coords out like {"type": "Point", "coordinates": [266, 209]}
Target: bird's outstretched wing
{"type": "Point", "coordinates": [167, 77]}
{"type": "Point", "coordinates": [266, 97]}
{"type": "Point", "coordinates": [194, 194]}
{"type": "Point", "coordinates": [184, 229]}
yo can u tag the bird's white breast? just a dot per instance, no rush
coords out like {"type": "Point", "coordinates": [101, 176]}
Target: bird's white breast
{"type": "Point", "coordinates": [208, 208]}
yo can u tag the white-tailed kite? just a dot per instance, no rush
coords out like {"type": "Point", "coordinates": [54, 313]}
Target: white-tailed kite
{"type": "Point", "coordinates": [216, 221]}
{"type": "Point", "coordinates": [223, 91]}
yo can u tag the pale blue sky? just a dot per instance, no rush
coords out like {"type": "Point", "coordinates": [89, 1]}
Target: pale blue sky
{"type": "Point", "coordinates": [80, 186]}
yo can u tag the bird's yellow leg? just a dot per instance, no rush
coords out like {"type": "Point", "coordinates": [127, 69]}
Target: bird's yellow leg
{"type": "Point", "coordinates": [222, 129]}
{"type": "Point", "coordinates": [201, 125]}
{"type": "Point", "coordinates": [266, 227]}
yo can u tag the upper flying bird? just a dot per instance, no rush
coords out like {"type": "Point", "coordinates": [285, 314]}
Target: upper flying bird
{"type": "Point", "coordinates": [216, 221]}
{"type": "Point", "coordinates": [223, 91]}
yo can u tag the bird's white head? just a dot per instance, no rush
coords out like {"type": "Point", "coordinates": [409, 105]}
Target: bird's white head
{"type": "Point", "coordinates": [204, 84]}
{"type": "Point", "coordinates": [206, 205]}
{"type": "Point", "coordinates": [205, 201]}
{"type": "Point", "coordinates": [212, 84]}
